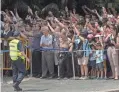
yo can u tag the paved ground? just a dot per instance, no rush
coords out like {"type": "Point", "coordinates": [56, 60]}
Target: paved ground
{"type": "Point", "coordinates": [70, 85]}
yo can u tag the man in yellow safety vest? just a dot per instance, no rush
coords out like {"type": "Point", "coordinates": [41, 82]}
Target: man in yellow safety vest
{"type": "Point", "coordinates": [17, 56]}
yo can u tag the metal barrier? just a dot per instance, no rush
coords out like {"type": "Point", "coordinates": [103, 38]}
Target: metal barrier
{"type": "Point", "coordinates": [28, 52]}
{"type": "Point", "coordinates": [5, 55]}
{"type": "Point", "coordinates": [1, 68]}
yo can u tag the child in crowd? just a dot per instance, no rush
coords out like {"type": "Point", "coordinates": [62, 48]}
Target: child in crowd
{"type": "Point", "coordinates": [99, 61]}
{"type": "Point", "coordinates": [92, 62]}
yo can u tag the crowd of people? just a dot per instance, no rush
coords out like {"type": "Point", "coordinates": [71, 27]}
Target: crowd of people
{"type": "Point", "coordinates": [93, 38]}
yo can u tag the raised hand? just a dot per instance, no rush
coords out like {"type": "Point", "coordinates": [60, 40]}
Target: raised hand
{"type": "Point", "coordinates": [30, 10]}
{"type": "Point", "coordinates": [12, 13]}
{"type": "Point", "coordinates": [36, 12]}
{"type": "Point", "coordinates": [56, 19]}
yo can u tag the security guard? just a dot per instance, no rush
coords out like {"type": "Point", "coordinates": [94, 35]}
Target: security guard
{"type": "Point", "coordinates": [17, 56]}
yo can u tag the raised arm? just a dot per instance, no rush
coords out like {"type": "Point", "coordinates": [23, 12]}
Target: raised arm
{"type": "Point", "coordinates": [16, 14]}
{"type": "Point", "coordinates": [36, 14]}
{"type": "Point", "coordinates": [76, 30]}
{"type": "Point", "coordinates": [84, 10]}
{"type": "Point", "coordinates": [104, 11]}
{"type": "Point", "coordinates": [8, 18]}
{"type": "Point", "coordinates": [91, 27]}
{"type": "Point", "coordinates": [14, 17]}
{"type": "Point", "coordinates": [30, 10]}
{"type": "Point", "coordinates": [89, 9]}
{"type": "Point", "coordinates": [100, 18]}
{"type": "Point", "coordinates": [51, 27]}
{"type": "Point", "coordinates": [71, 47]}
{"type": "Point", "coordinates": [74, 16]}
{"type": "Point", "coordinates": [60, 24]}
{"type": "Point", "coordinates": [23, 35]}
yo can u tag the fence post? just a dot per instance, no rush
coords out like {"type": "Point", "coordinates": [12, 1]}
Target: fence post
{"type": "Point", "coordinates": [31, 64]}
{"type": "Point", "coordinates": [1, 68]}
{"type": "Point", "coordinates": [58, 68]}
{"type": "Point", "coordinates": [73, 65]}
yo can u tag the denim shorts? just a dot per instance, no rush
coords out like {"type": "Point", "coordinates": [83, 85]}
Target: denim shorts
{"type": "Point", "coordinates": [99, 66]}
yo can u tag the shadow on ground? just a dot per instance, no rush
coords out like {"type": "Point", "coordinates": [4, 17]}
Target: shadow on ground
{"type": "Point", "coordinates": [114, 91]}
{"type": "Point", "coordinates": [35, 90]}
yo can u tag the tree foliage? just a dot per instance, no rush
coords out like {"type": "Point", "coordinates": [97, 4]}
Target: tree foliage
{"type": "Point", "coordinates": [22, 5]}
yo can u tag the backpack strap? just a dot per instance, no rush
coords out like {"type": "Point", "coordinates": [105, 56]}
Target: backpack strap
{"type": "Point", "coordinates": [86, 47]}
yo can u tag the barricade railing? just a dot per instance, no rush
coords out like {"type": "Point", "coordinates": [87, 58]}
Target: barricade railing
{"type": "Point", "coordinates": [72, 53]}
{"type": "Point", "coordinates": [4, 53]}
{"type": "Point", "coordinates": [1, 66]}
{"type": "Point", "coordinates": [43, 50]}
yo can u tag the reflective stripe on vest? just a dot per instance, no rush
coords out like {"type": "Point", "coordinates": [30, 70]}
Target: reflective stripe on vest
{"type": "Point", "coordinates": [14, 52]}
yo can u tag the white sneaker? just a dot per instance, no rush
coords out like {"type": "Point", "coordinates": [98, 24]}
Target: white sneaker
{"type": "Point", "coordinates": [81, 78]}
{"type": "Point", "coordinates": [85, 78]}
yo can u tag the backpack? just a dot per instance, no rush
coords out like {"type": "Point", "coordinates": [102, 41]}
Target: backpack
{"type": "Point", "coordinates": [80, 53]}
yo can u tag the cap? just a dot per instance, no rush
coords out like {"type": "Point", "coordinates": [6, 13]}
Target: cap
{"type": "Point", "coordinates": [97, 35]}
{"type": "Point", "coordinates": [90, 36]}
{"type": "Point", "coordinates": [16, 33]}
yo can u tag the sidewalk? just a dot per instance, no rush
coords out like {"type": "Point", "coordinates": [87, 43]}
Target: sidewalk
{"type": "Point", "coordinates": [70, 85]}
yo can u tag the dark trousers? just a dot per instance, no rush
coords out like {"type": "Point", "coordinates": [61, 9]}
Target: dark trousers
{"type": "Point", "coordinates": [19, 70]}
{"type": "Point", "coordinates": [65, 65]}
{"type": "Point", "coordinates": [36, 62]}
{"type": "Point", "coordinates": [47, 63]}
{"type": "Point", "coordinates": [77, 67]}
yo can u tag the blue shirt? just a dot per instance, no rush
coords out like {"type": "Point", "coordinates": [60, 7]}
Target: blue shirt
{"type": "Point", "coordinates": [47, 40]}
{"type": "Point", "coordinates": [86, 48]}
{"type": "Point", "coordinates": [99, 54]}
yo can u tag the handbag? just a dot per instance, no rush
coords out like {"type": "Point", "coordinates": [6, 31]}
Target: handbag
{"type": "Point", "coordinates": [80, 52]}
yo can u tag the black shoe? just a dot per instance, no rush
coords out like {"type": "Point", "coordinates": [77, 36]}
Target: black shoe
{"type": "Point", "coordinates": [38, 76]}
{"type": "Point", "coordinates": [59, 78]}
{"type": "Point", "coordinates": [17, 89]}
{"type": "Point", "coordinates": [34, 75]}
{"type": "Point", "coordinates": [43, 77]}
{"type": "Point", "coordinates": [51, 77]}
{"type": "Point", "coordinates": [16, 86]}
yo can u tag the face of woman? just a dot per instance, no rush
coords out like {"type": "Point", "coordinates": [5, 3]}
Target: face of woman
{"type": "Point", "coordinates": [28, 28]}
{"type": "Point", "coordinates": [35, 27]}
{"type": "Point", "coordinates": [97, 39]}
{"type": "Point", "coordinates": [96, 24]}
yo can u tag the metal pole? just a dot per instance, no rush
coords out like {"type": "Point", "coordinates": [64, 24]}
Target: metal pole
{"type": "Point", "coordinates": [1, 68]}
{"type": "Point", "coordinates": [58, 70]}
{"type": "Point", "coordinates": [57, 56]}
{"type": "Point", "coordinates": [31, 73]}
{"type": "Point", "coordinates": [73, 65]}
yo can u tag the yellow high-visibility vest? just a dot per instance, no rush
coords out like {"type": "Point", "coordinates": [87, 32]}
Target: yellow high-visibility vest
{"type": "Point", "coordinates": [14, 52]}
